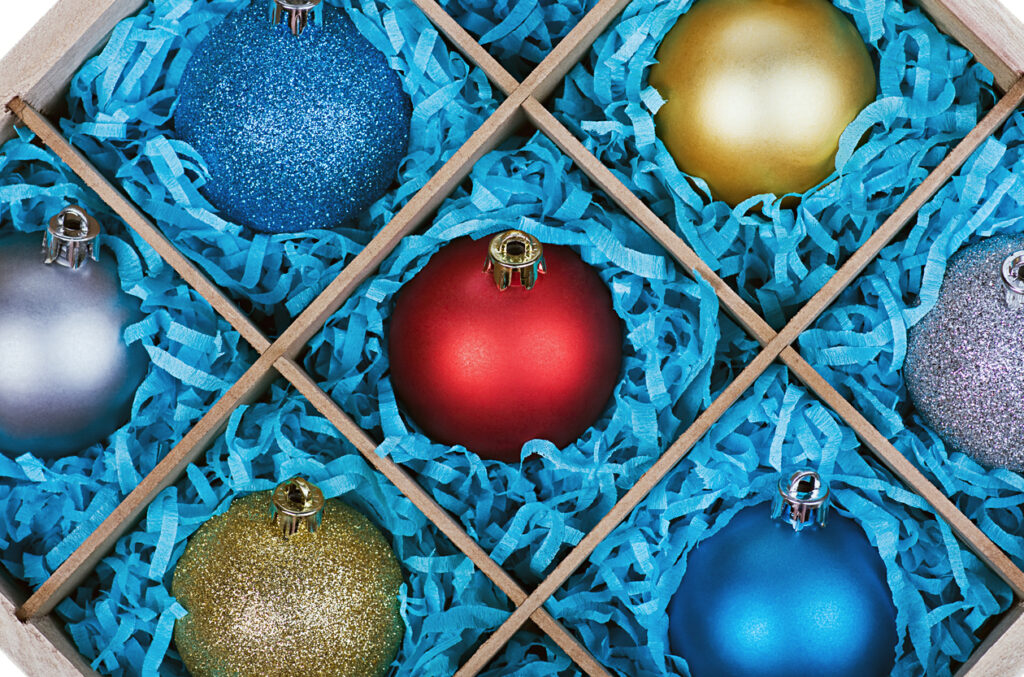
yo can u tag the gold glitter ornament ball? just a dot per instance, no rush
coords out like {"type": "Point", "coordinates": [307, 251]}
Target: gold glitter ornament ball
{"type": "Point", "coordinates": [758, 93]}
{"type": "Point", "coordinates": [286, 583]}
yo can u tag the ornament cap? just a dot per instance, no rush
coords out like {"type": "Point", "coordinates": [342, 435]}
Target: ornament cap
{"type": "Point", "coordinates": [71, 238]}
{"type": "Point", "coordinates": [298, 13]}
{"type": "Point", "coordinates": [511, 251]}
{"type": "Point", "coordinates": [803, 500]}
{"type": "Point", "coordinates": [297, 505]}
{"type": "Point", "coordinates": [1013, 280]}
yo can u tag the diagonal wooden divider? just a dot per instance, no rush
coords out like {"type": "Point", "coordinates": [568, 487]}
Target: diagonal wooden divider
{"type": "Point", "coordinates": [771, 351]}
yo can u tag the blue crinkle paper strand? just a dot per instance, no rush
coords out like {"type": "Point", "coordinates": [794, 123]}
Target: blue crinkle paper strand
{"type": "Point", "coordinates": [860, 344]}
{"type": "Point", "coordinates": [931, 93]}
{"type": "Point", "coordinates": [518, 33]}
{"type": "Point", "coordinates": [50, 507]}
{"type": "Point", "coordinates": [528, 515]}
{"type": "Point", "coordinates": [121, 107]}
{"type": "Point", "coordinates": [618, 601]}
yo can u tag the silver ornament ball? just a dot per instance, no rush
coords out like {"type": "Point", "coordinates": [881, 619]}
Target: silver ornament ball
{"type": "Point", "coordinates": [67, 377]}
{"type": "Point", "coordinates": [965, 360]}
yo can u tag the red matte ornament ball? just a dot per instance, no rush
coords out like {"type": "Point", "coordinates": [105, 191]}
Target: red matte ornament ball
{"type": "Point", "coordinates": [491, 369]}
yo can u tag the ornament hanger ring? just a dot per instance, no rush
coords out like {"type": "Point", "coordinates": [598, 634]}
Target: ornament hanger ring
{"type": "Point", "coordinates": [803, 499]}
{"type": "Point", "coordinates": [71, 238]}
{"type": "Point", "coordinates": [297, 12]}
{"type": "Point", "coordinates": [295, 503]}
{"type": "Point", "coordinates": [1013, 279]}
{"type": "Point", "coordinates": [511, 251]}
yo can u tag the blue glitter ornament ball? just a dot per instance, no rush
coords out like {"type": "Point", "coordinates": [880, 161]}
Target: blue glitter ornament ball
{"type": "Point", "coordinates": [298, 131]}
{"type": "Point", "coordinates": [763, 597]}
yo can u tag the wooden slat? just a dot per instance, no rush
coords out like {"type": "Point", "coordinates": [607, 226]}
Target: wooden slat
{"type": "Point", "coordinates": [988, 29]}
{"type": "Point", "coordinates": [1000, 655]}
{"type": "Point", "coordinates": [85, 558]}
{"type": "Point", "coordinates": [40, 67]}
{"type": "Point", "coordinates": [465, 42]}
{"type": "Point", "coordinates": [435, 513]}
{"type": "Point", "coordinates": [131, 215]}
{"type": "Point", "coordinates": [774, 347]}
{"type": "Point", "coordinates": [740, 311]}
{"type": "Point", "coordinates": [39, 648]}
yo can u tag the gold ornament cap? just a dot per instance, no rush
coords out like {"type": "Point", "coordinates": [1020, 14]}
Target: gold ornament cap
{"type": "Point", "coordinates": [803, 500]}
{"type": "Point", "coordinates": [511, 251]}
{"type": "Point", "coordinates": [298, 14]}
{"type": "Point", "coordinates": [295, 506]}
{"type": "Point", "coordinates": [72, 238]}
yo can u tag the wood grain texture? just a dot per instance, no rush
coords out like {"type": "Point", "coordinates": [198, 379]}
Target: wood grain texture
{"type": "Point", "coordinates": [85, 558]}
{"type": "Point", "coordinates": [39, 68]}
{"type": "Point", "coordinates": [988, 30]}
{"type": "Point", "coordinates": [138, 222]}
{"type": "Point", "coordinates": [1002, 652]}
{"type": "Point", "coordinates": [39, 648]}
{"type": "Point", "coordinates": [436, 514]}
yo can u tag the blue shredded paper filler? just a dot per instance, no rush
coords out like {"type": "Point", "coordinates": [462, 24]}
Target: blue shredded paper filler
{"type": "Point", "coordinates": [931, 93]}
{"type": "Point", "coordinates": [121, 108]}
{"type": "Point", "coordinates": [678, 351]}
{"type": "Point", "coordinates": [518, 33]}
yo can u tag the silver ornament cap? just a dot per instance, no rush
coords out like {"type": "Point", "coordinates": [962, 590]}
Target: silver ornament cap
{"type": "Point", "coordinates": [1013, 278]}
{"type": "Point", "coordinates": [298, 13]}
{"type": "Point", "coordinates": [296, 506]}
{"type": "Point", "coordinates": [803, 500]}
{"type": "Point", "coordinates": [72, 238]}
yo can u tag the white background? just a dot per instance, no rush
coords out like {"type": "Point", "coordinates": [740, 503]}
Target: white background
{"type": "Point", "coordinates": [17, 21]}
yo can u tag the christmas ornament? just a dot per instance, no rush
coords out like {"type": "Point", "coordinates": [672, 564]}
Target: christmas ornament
{"type": "Point", "coordinates": [763, 596]}
{"type": "Point", "coordinates": [965, 360]}
{"type": "Point", "coordinates": [67, 377]}
{"type": "Point", "coordinates": [529, 347]}
{"type": "Point", "coordinates": [758, 93]}
{"type": "Point", "coordinates": [287, 583]}
{"type": "Point", "coordinates": [300, 120]}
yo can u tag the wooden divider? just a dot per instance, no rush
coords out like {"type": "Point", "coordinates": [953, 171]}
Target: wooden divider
{"type": "Point", "coordinates": [771, 351]}
{"type": "Point", "coordinates": [523, 99]}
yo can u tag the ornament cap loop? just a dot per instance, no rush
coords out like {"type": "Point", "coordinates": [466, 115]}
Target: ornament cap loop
{"type": "Point", "coordinates": [1013, 280]}
{"type": "Point", "coordinates": [295, 504]}
{"type": "Point", "coordinates": [298, 13]}
{"type": "Point", "coordinates": [803, 500]}
{"type": "Point", "coordinates": [511, 251]}
{"type": "Point", "coordinates": [71, 238]}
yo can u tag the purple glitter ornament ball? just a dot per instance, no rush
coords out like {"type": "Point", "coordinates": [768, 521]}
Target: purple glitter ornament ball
{"type": "Point", "coordinates": [300, 120]}
{"type": "Point", "coordinates": [965, 359]}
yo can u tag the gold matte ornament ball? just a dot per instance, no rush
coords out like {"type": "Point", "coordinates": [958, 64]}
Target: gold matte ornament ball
{"type": "Point", "coordinates": [758, 93]}
{"type": "Point", "coordinates": [309, 587]}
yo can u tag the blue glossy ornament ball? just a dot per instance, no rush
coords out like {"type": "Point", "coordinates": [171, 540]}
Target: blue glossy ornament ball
{"type": "Point", "coordinates": [760, 598]}
{"type": "Point", "coordinates": [298, 131]}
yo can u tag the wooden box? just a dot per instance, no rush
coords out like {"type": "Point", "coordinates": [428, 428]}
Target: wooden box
{"type": "Point", "coordinates": [34, 79]}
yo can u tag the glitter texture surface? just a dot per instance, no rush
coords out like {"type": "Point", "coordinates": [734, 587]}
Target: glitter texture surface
{"type": "Point", "coordinates": [324, 603]}
{"type": "Point", "coordinates": [964, 360]}
{"type": "Point", "coordinates": [298, 132]}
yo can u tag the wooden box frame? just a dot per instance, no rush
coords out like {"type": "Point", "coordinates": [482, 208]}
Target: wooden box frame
{"type": "Point", "coordinates": [33, 81]}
